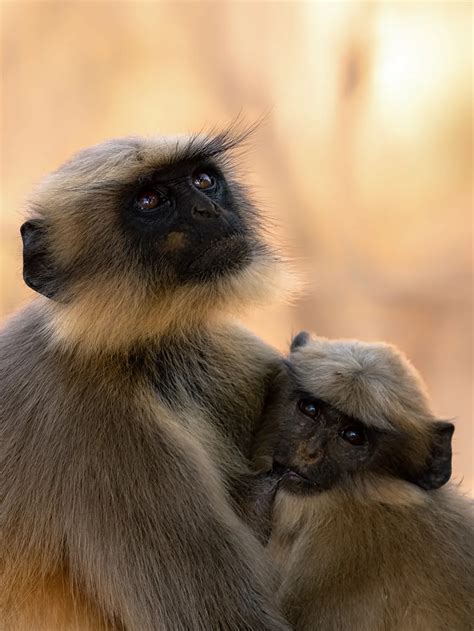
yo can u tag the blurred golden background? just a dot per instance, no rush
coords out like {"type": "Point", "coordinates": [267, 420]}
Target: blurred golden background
{"type": "Point", "coordinates": [364, 165]}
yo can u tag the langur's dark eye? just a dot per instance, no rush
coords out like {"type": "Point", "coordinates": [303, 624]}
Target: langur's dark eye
{"type": "Point", "coordinates": [149, 200]}
{"type": "Point", "coordinates": [309, 407]}
{"type": "Point", "coordinates": [204, 181]}
{"type": "Point", "coordinates": [354, 435]}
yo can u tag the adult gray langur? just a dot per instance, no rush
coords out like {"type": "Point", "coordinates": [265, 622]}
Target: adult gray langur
{"type": "Point", "coordinates": [129, 397]}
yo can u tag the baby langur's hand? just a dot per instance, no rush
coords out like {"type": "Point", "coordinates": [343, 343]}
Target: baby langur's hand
{"type": "Point", "coordinates": [256, 497]}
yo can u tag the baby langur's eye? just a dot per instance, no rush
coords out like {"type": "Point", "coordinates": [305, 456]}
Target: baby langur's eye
{"type": "Point", "coordinates": [354, 435]}
{"type": "Point", "coordinates": [149, 200]}
{"type": "Point", "coordinates": [309, 407]}
{"type": "Point", "coordinates": [204, 181]}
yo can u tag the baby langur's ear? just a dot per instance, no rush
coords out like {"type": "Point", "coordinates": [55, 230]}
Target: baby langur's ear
{"type": "Point", "coordinates": [438, 466]}
{"type": "Point", "coordinates": [300, 339]}
{"type": "Point", "coordinates": [38, 270]}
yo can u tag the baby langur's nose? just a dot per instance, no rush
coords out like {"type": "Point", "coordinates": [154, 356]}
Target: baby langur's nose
{"type": "Point", "coordinates": [310, 451]}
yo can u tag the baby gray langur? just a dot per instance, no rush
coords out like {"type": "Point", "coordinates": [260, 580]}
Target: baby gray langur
{"type": "Point", "coordinates": [364, 530]}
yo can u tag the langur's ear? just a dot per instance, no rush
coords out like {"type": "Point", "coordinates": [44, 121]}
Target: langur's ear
{"type": "Point", "coordinates": [39, 272]}
{"type": "Point", "coordinates": [301, 339]}
{"type": "Point", "coordinates": [438, 466]}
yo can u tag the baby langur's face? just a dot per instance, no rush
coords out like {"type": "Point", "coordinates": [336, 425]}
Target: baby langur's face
{"type": "Point", "coordinates": [318, 445]}
{"type": "Point", "coordinates": [344, 407]}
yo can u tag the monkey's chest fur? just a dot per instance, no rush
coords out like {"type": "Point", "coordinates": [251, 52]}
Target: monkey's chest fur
{"type": "Point", "coordinates": [114, 466]}
{"type": "Point", "coordinates": [224, 385]}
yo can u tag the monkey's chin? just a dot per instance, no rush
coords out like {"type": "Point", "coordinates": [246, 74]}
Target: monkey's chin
{"type": "Point", "coordinates": [223, 256]}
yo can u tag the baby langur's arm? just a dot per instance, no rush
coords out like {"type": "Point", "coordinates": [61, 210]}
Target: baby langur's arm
{"type": "Point", "coordinates": [254, 492]}
{"type": "Point", "coordinates": [254, 495]}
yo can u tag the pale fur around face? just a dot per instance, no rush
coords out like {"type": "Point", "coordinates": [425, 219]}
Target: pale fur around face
{"type": "Point", "coordinates": [123, 313]}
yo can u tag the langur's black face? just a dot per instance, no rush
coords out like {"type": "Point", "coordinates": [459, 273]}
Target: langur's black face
{"type": "Point", "coordinates": [142, 217]}
{"type": "Point", "coordinates": [187, 218]}
{"type": "Point", "coordinates": [319, 446]}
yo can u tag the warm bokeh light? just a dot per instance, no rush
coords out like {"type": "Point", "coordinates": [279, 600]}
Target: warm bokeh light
{"type": "Point", "coordinates": [364, 164]}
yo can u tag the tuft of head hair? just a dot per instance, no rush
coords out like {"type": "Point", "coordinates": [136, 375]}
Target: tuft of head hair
{"type": "Point", "coordinates": [373, 382]}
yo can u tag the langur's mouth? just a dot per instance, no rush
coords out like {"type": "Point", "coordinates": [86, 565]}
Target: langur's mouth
{"type": "Point", "coordinates": [291, 474]}
{"type": "Point", "coordinates": [229, 253]}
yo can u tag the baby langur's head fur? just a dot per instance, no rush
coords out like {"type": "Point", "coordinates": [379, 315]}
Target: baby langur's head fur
{"type": "Point", "coordinates": [352, 409]}
{"type": "Point", "coordinates": [137, 237]}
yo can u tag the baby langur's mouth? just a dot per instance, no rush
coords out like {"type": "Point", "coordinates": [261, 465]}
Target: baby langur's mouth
{"type": "Point", "coordinates": [290, 473]}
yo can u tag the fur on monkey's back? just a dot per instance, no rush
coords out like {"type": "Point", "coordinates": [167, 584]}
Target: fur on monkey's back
{"type": "Point", "coordinates": [81, 438]}
{"type": "Point", "coordinates": [399, 560]}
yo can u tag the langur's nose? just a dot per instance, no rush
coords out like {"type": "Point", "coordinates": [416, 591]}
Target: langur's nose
{"type": "Point", "coordinates": [313, 454]}
{"type": "Point", "coordinates": [310, 452]}
{"type": "Point", "coordinates": [208, 211]}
